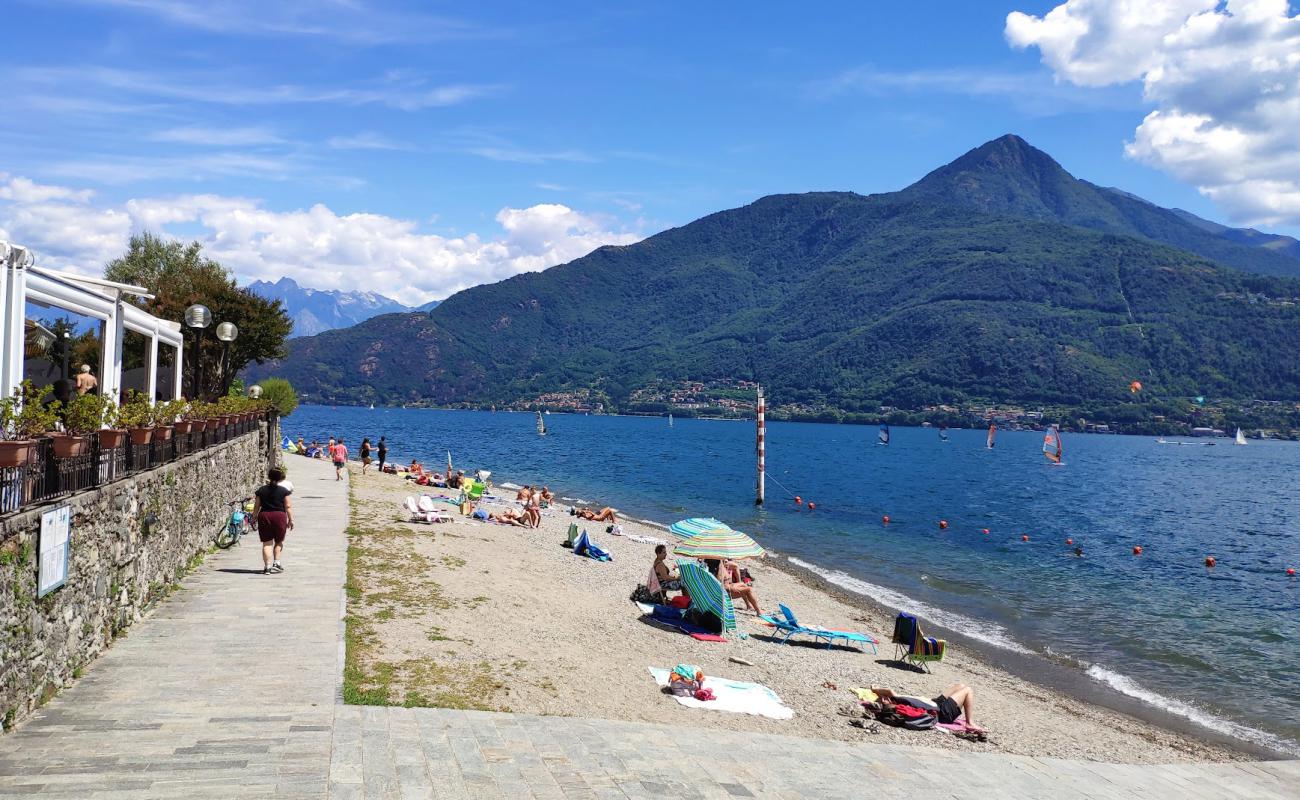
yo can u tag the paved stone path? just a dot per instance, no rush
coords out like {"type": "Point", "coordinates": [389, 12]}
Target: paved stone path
{"type": "Point", "coordinates": [229, 690]}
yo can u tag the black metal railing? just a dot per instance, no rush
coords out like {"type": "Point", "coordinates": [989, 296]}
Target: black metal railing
{"type": "Point", "coordinates": [46, 477]}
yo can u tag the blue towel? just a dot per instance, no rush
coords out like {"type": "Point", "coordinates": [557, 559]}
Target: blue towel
{"type": "Point", "coordinates": [583, 546]}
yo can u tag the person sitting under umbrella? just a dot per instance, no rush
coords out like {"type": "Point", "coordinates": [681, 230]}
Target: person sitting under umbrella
{"type": "Point", "coordinates": [729, 577]}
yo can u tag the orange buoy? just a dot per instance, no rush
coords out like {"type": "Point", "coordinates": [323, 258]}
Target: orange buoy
{"type": "Point", "coordinates": [798, 500]}
{"type": "Point", "coordinates": [1290, 571]}
{"type": "Point", "coordinates": [811, 505]}
{"type": "Point", "coordinates": [1069, 541]}
{"type": "Point", "coordinates": [1137, 550]}
{"type": "Point", "coordinates": [884, 520]}
{"type": "Point", "coordinates": [1024, 537]}
{"type": "Point", "coordinates": [1209, 561]}
{"type": "Point", "coordinates": [986, 531]}
{"type": "Point", "coordinates": [943, 524]}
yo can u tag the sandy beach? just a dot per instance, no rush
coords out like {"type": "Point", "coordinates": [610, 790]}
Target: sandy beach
{"type": "Point", "coordinates": [481, 615]}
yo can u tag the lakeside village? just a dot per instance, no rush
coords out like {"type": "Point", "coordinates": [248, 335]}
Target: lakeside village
{"type": "Point", "coordinates": [735, 399]}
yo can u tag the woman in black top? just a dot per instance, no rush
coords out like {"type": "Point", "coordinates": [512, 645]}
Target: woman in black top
{"type": "Point", "coordinates": [365, 455]}
{"type": "Point", "coordinates": [383, 453]}
{"type": "Point", "coordinates": [273, 512]}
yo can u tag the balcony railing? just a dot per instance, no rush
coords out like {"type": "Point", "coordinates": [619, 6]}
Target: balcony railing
{"type": "Point", "coordinates": [46, 477]}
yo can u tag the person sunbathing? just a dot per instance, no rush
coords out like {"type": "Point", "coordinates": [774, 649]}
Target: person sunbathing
{"type": "Point", "coordinates": [509, 517]}
{"type": "Point", "coordinates": [606, 514]}
{"type": "Point", "coordinates": [416, 468]}
{"type": "Point", "coordinates": [548, 499]}
{"type": "Point", "coordinates": [955, 701]}
{"type": "Point", "coordinates": [729, 577]}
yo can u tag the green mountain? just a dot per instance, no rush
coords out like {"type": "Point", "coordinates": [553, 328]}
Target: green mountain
{"type": "Point", "coordinates": [998, 277]}
{"type": "Point", "coordinates": [1007, 176]}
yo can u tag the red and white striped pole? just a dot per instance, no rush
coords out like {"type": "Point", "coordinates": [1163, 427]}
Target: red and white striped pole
{"type": "Point", "coordinates": [762, 450]}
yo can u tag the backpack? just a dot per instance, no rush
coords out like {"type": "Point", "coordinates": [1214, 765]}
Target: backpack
{"type": "Point", "coordinates": [908, 718]}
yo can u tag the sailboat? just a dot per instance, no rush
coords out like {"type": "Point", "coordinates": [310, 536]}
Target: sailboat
{"type": "Point", "coordinates": [541, 426]}
{"type": "Point", "coordinates": [1241, 437]}
{"type": "Point", "coordinates": [372, 406]}
{"type": "Point", "coordinates": [993, 434]}
{"type": "Point", "coordinates": [883, 436]}
{"type": "Point", "coordinates": [943, 433]}
{"type": "Point", "coordinates": [670, 420]}
{"type": "Point", "coordinates": [1052, 445]}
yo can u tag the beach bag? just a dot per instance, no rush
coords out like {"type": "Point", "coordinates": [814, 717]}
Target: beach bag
{"type": "Point", "coordinates": [642, 594]}
{"type": "Point", "coordinates": [466, 508]}
{"type": "Point", "coordinates": [480, 514]}
{"type": "Point", "coordinates": [909, 718]}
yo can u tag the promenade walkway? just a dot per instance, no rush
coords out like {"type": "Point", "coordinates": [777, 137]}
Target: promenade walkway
{"type": "Point", "coordinates": [229, 690]}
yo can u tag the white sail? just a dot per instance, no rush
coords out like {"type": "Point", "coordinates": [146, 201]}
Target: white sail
{"type": "Point", "coordinates": [670, 420]}
{"type": "Point", "coordinates": [541, 426]}
{"type": "Point", "coordinates": [1241, 437]}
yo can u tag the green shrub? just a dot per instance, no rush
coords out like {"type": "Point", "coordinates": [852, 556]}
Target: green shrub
{"type": "Point", "coordinates": [280, 394]}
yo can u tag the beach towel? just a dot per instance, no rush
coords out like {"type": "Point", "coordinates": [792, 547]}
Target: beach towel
{"type": "Point", "coordinates": [585, 547]}
{"type": "Point", "coordinates": [652, 582]}
{"type": "Point", "coordinates": [735, 696]}
{"type": "Point", "coordinates": [675, 618]}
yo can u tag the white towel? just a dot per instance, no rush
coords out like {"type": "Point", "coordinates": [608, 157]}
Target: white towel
{"type": "Point", "coordinates": [735, 696]}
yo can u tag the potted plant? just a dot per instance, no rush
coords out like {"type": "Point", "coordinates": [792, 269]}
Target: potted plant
{"type": "Point", "coordinates": [112, 434]}
{"type": "Point", "coordinates": [25, 418]}
{"type": "Point", "coordinates": [83, 416]}
{"type": "Point", "coordinates": [184, 417]}
{"type": "Point", "coordinates": [137, 416]}
{"type": "Point", "coordinates": [164, 415]}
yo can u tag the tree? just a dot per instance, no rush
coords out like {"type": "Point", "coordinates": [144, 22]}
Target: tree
{"type": "Point", "coordinates": [179, 275]}
{"type": "Point", "coordinates": [280, 394]}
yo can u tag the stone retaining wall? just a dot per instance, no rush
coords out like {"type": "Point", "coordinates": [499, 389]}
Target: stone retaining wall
{"type": "Point", "coordinates": [131, 542]}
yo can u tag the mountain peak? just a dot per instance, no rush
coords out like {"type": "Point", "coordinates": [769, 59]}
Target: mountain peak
{"type": "Point", "coordinates": [1005, 175]}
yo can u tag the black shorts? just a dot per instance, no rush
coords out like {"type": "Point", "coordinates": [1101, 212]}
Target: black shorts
{"type": "Point", "coordinates": [949, 711]}
{"type": "Point", "coordinates": [272, 526]}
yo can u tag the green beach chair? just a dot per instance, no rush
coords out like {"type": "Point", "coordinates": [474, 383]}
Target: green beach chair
{"type": "Point", "coordinates": [708, 595]}
{"type": "Point", "coordinates": [472, 492]}
{"type": "Point", "coordinates": [914, 647]}
{"type": "Point", "coordinates": [572, 536]}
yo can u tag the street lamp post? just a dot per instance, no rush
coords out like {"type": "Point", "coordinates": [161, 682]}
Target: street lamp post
{"type": "Point", "coordinates": [198, 318]}
{"type": "Point", "coordinates": [66, 341]}
{"type": "Point", "coordinates": [227, 332]}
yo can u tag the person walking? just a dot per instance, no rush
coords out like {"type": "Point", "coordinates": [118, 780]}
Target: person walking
{"type": "Point", "coordinates": [273, 513]}
{"type": "Point", "coordinates": [340, 459]}
{"type": "Point", "coordinates": [365, 454]}
{"type": "Point", "coordinates": [383, 453]}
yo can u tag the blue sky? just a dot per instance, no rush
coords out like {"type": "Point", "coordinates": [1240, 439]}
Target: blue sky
{"type": "Point", "coordinates": [418, 148]}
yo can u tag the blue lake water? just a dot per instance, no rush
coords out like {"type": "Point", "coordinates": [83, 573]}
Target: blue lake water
{"type": "Point", "coordinates": [1218, 646]}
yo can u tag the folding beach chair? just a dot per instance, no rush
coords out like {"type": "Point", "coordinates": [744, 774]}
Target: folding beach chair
{"type": "Point", "coordinates": [914, 647]}
{"type": "Point", "coordinates": [787, 624]}
{"type": "Point", "coordinates": [707, 594]}
{"type": "Point", "coordinates": [571, 537]}
{"type": "Point", "coordinates": [432, 512]}
{"type": "Point", "coordinates": [472, 492]}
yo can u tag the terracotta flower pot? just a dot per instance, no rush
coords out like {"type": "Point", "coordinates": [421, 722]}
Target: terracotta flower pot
{"type": "Point", "coordinates": [68, 446]}
{"type": "Point", "coordinates": [141, 435]}
{"type": "Point", "coordinates": [184, 426]}
{"type": "Point", "coordinates": [162, 433]}
{"type": "Point", "coordinates": [110, 438]}
{"type": "Point", "coordinates": [16, 453]}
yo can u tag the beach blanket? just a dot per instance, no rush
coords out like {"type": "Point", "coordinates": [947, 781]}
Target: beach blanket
{"type": "Point", "coordinates": [583, 546]}
{"type": "Point", "coordinates": [737, 697]}
{"type": "Point", "coordinates": [618, 531]}
{"type": "Point", "coordinates": [674, 618]}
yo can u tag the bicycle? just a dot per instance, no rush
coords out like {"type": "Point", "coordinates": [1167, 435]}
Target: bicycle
{"type": "Point", "coordinates": [236, 525]}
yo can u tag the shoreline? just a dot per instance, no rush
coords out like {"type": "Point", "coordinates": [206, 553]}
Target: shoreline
{"type": "Point", "coordinates": [1040, 670]}
{"type": "Point", "coordinates": [1065, 716]}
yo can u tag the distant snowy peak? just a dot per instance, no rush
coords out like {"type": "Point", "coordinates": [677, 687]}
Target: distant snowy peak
{"type": "Point", "coordinates": [317, 310]}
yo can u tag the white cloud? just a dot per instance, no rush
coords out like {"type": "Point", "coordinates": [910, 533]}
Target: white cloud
{"type": "Point", "coordinates": [365, 140]}
{"type": "Point", "coordinates": [1224, 78]}
{"type": "Point", "coordinates": [220, 137]}
{"type": "Point", "coordinates": [315, 246]}
{"type": "Point", "coordinates": [396, 90]}
{"type": "Point", "coordinates": [348, 21]}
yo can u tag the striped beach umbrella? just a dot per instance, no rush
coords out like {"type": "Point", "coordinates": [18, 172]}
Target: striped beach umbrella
{"type": "Point", "coordinates": [694, 526]}
{"type": "Point", "coordinates": [719, 543]}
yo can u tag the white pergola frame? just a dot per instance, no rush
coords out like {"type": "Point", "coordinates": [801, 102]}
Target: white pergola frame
{"type": "Point", "coordinates": [89, 297]}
